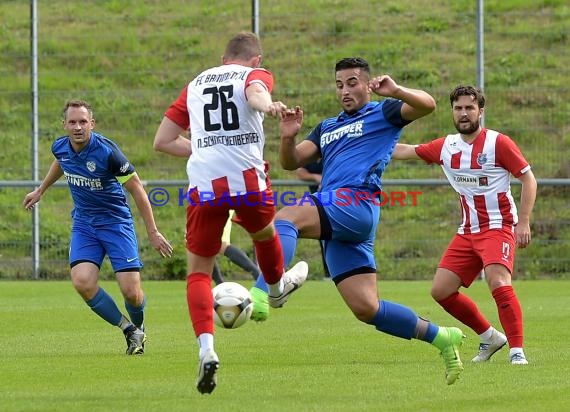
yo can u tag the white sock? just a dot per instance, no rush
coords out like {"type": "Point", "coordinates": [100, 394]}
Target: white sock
{"type": "Point", "coordinates": [512, 351]}
{"type": "Point", "coordinates": [205, 342]}
{"type": "Point", "coordinates": [124, 323]}
{"type": "Point", "coordinates": [486, 336]}
{"type": "Point", "coordinates": [276, 289]}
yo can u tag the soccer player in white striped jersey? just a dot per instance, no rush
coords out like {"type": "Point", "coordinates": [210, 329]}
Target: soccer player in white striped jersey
{"type": "Point", "coordinates": [224, 107]}
{"type": "Point", "coordinates": [478, 163]}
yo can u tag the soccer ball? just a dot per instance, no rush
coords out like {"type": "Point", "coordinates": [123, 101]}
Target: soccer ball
{"type": "Point", "coordinates": [232, 305]}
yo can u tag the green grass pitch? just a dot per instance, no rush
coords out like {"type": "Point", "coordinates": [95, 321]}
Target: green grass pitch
{"type": "Point", "coordinates": [312, 355]}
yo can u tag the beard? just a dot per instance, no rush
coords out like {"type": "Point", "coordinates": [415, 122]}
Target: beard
{"type": "Point", "coordinates": [464, 128]}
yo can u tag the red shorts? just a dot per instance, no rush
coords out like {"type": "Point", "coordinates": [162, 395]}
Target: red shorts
{"type": "Point", "coordinates": [205, 220]}
{"type": "Point", "coordinates": [468, 255]}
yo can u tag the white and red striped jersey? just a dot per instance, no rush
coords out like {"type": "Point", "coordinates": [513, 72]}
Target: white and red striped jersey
{"type": "Point", "coordinates": [226, 133]}
{"type": "Point", "coordinates": [480, 173]}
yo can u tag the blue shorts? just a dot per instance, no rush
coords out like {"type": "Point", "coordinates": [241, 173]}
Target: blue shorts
{"type": "Point", "coordinates": [348, 225]}
{"type": "Point", "coordinates": [117, 240]}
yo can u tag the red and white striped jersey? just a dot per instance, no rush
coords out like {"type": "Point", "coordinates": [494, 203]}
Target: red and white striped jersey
{"type": "Point", "coordinates": [226, 133]}
{"type": "Point", "coordinates": [480, 173]}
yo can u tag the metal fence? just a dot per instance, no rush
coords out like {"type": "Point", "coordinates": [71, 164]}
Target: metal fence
{"type": "Point", "coordinates": [527, 61]}
{"type": "Point", "coordinates": [418, 220]}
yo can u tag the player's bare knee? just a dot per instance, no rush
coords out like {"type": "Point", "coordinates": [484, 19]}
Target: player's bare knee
{"type": "Point", "coordinates": [267, 233]}
{"type": "Point", "coordinates": [302, 217]}
{"type": "Point", "coordinates": [133, 294]}
{"type": "Point", "coordinates": [86, 287]}
{"type": "Point", "coordinates": [364, 312]}
{"type": "Point", "coordinates": [287, 213]}
{"type": "Point", "coordinates": [86, 291]}
{"type": "Point", "coordinates": [438, 293]}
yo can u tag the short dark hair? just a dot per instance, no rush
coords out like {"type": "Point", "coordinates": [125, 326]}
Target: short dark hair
{"type": "Point", "coordinates": [77, 103]}
{"type": "Point", "coordinates": [352, 63]}
{"type": "Point", "coordinates": [472, 91]}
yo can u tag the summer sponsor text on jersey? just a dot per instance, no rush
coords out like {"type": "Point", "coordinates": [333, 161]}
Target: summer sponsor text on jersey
{"type": "Point", "coordinates": [93, 177]}
{"type": "Point", "coordinates": [356, 148]}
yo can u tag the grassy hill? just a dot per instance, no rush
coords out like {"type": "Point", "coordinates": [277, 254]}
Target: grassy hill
{"type": "Point", "coordinates": [131, 58]}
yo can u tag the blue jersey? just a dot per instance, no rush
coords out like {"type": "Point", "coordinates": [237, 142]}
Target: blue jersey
{"type": "Point", "coordinates": [94, 178]}
{"type": "Point", "coordinates": [356, 148]}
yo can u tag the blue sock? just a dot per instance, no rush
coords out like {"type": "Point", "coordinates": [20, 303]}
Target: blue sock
{"type": "Point", "coordinates": [288, 234]}
{"type": "Point", "coordinates": [136, 314]}
{"type": "Point", "coordinates": [395, 319]}
{"type": "Point", "coordinates": [104, 306]}
{"type": "Point", "coordinates": [431, 332]}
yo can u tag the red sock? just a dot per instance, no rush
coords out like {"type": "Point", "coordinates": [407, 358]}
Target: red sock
{"type": "Point", "coordinates": [462, 308]}
{"type": "Point", "coordinates": [270, 258]}
{"type": "Point", "coordinates": [200, 302]}
{"type": "Point", "coordinates": [510, 315]}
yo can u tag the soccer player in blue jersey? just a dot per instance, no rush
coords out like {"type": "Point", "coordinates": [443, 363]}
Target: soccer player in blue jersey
{"type": "Point", "coordinates": [355, 147]}
{"type": "Point", "coordinates": [95, 170]}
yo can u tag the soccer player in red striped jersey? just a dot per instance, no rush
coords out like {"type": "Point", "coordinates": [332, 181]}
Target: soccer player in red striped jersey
{"type": "Point", "coordinates": [224, 108]}
{"type": "Point", "coordinates": [478, 163]}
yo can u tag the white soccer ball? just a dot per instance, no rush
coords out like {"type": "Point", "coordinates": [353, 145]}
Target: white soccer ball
{"type": "Point", "coordinates": [232, 305]}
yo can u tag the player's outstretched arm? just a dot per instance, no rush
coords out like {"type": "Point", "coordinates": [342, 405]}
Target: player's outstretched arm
{"type": "Point", "coordinates": [159, 242]}
{"type": "Point", "coordinates": [417, 103]}
{"type": "Point", "coordinates": [52, 176]}
{"type": "Point", "coordinates": [404, 152]}
{"type": "Point", "coordinates": [259, 99]}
